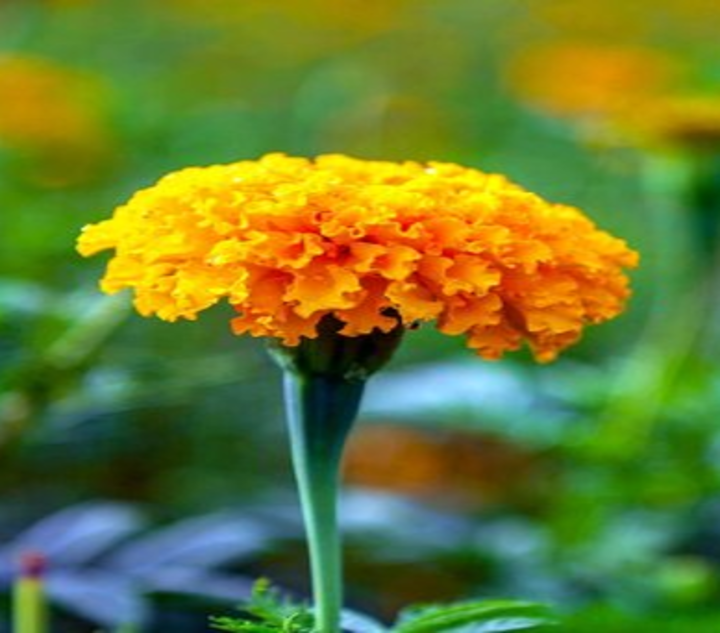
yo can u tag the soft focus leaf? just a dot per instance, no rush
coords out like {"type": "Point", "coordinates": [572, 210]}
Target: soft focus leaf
{"type": "Point", "coordinates": [360, 623]}
{"type": "Point", "coordinates": [507, 400]}
{"type": "Point", "coordinates": [77, 534]}
{"type": "Point", "coordinates": [99, 596]}
{"type": "Point", "coordinates": [370, 512]}
{"type": "Point", "coordinates": [205, 541]}
{"type": "Point", "coordinates": [198, 582]}
{"type": "Point", "coordinates": [479, 617]}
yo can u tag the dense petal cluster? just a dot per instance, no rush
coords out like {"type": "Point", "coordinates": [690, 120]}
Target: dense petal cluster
{"type": "Point", "coordinates": [287, 241]}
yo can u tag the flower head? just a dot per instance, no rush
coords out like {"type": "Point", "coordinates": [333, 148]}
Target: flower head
{"type": "Point", "coordinates": [288, 241]}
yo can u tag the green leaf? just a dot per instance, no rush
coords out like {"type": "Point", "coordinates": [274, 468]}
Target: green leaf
{"type": "Point", "coordinates": [485, 616]}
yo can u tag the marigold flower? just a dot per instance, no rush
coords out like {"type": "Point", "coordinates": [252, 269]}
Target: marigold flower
{"type": "Point", "coordinates": [288, 241]}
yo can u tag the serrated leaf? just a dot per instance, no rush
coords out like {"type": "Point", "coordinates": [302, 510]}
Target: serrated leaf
{"type": "Point", "coordinates": [486, 616]}
{"type": "Point", "coordinates": [269, 612]}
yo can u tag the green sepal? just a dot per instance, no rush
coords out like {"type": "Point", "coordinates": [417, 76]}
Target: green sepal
{"type": "Point", "coordinates": [333, 355]}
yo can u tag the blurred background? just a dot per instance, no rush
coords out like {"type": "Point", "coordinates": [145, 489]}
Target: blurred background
{"type": "Point", "coordinates": [149, 461]}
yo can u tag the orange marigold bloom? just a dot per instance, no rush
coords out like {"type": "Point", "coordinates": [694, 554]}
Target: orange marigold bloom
{"type": "Point", "coordinates": [288, 241]}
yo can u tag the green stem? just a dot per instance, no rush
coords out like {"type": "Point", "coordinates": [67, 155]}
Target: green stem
{"type": "Point", "coordinates": [320, 412]}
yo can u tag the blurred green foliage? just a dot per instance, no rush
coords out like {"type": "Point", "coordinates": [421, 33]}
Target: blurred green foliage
{"type": "Point", "coordinates": [616, 518]}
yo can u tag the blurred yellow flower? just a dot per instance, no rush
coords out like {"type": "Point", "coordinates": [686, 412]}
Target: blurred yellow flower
{"type": "Point", "coordinates": [46, 106]}
{"type": "Point", "coordinates": [288, 241]}
{"type": "Point", "coordinates": [588, 81]}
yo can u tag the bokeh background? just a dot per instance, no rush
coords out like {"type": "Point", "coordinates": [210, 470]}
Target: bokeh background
{"type": "Point", "coordinates": [148, 461]}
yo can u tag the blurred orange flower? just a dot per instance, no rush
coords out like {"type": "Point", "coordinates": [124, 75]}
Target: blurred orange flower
{"type": "Point", "coordinates": [448, 467]}
{"type": "Point", "coordinates": [588, 81]}
{"type": "Point", "coordinates": [54, 118]}
{"type": "Point", "coordinates": [288, 241]}
{"type": "Point", "coordinates": [43, 105]}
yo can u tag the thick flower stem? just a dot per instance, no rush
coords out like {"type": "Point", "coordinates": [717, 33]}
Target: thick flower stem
{"type": "Point", "coordinates": [320, 412]}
